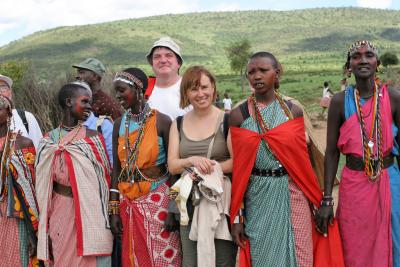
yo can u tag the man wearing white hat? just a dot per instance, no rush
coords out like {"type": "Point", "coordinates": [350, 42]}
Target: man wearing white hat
{"type": "Point", "coordinates": [163, 92]}
{"type": "Point", "coordinates": [22, 121]}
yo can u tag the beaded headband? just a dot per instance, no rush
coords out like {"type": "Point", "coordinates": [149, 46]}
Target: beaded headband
{"type": "Point", "coordinates": [357, 45]}
{"type": "Point", "coordinates": [128, 78]}
{"type": "Point", "coordinates": [82, 84]}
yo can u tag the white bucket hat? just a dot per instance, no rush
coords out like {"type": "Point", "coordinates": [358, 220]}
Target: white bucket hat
{"type": "Point", "coordinates": [7, 80]}
{"type": "Point", "coordinates": [167, 42]}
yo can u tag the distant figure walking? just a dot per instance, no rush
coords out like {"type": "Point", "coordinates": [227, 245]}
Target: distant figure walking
{"type": "Point", "coordinates": [227, 103]}
{"type": "Point", "coordinates": [326, 98]}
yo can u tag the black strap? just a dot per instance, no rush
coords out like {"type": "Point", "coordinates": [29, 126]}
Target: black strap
{"type": "Point", "coordinates": [179, 125]}
{"type": "Point", "coordinates": [226, 125]}
{"type": "Point", "coordinates": [245, 110]}
{"type": "Point", "coordinates": [21, 113]}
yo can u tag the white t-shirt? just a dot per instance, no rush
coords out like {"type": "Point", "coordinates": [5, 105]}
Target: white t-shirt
{"type": "Point", "coordinates": [326, 93]}
{"type": "Point", "coordinates": [227, 103]}
{"type": "Point", "coordinates": [166, 100]}
{"type": "Point", "coordinates": [35, 134]}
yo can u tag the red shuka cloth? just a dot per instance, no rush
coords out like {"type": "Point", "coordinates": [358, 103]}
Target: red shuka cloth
{"type": "Point", "coordinates": [288, 144]}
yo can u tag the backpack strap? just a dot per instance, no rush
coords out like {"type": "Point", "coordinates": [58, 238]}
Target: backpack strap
{"type": "Point", "coordinates": [179, 125]}
{"type": "Point", "coordinates": [244, 109]}
{"type": "Point", "coordinates": [226, 125]}
{"type": "Point", "coordinates": [100, 121]}
{"type": "Point", "coordinates": [21, 113]}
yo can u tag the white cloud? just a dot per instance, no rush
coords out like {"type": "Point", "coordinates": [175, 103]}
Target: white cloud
{"type": "Point", "coordinates": [38, 15]}
{"type": "Point", "coordinates": [375, 3]}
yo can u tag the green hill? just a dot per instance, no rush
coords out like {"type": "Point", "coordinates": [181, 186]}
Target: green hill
{"type": "Point", "coordinates": [311, 44]}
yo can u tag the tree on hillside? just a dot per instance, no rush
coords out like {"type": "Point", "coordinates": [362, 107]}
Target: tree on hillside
{"type": "Point", "coordinates": [238, 53]}
{"type": "Point", "coordinates": [388, 59]}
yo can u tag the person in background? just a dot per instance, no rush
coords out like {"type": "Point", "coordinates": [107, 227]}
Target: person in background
{"type": "Point", "coordinates": [165, 59]}
{"type": "Point", "coordinates": [326, 98]}
{"type": "Point", "coordinates": [227, 103]}
{"type": "Point", "coordinates": [22, 121]}
{"type": "Point", "coordinates": [91, 71]}
{"type": "Point", "coordinates": [103, 125]}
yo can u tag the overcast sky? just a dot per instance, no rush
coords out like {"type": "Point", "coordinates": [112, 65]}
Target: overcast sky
{"type": "Point", "coordinates": [22, 17]}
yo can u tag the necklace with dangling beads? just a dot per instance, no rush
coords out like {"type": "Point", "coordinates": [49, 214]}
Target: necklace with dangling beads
{"type": "Point", "coordinates": [129, 170]}
{"type": "Point", "coordinates": [259, 118]}
{"type": "Point", "coordinates": [372, 165]}
{"type": "Point", "coordinates": [139, 117]}
{"type": "Point", "coordinates": [68, 129]}
{"type": "Point", "coordinates": [262, 124]}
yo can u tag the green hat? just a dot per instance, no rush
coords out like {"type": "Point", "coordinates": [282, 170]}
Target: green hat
{"type": "Point", "coordinates": [92, 64]}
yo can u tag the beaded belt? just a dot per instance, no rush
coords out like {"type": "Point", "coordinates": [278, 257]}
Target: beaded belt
{"type": "Point", "coordinates": [357, 163]}
{"type": "Point", "coordinates": [278, 172]}
{"type": "Point", "coordinates": [61, 189]}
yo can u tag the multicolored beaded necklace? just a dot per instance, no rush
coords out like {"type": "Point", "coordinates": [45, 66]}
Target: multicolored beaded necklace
{"type": "Point", "coordinates": [373, 164]}
{"type": "Point", "coordinates": [259, 118]}
{"type": "Point", "coordinates": [130, 169]}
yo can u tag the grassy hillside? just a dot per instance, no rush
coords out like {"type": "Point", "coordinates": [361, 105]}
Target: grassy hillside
{"type": "Point", "coordinates": [311, 44]}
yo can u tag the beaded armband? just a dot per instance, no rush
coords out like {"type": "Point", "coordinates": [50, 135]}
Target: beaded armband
{"type": "Point", "coordinates": [327, 201]}
{"type": "Point", "coordinates": [113, 207]}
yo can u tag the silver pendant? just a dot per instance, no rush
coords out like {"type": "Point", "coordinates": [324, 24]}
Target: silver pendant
{"type": "Point", "coordinates": [371, 145]}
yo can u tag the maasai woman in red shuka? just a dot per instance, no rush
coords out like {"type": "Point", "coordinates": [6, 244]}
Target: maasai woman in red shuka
{"type": "Point", "coordinates": [363, 123]}
{"type": "Point", "coordinates": [73, 176]}
{"type": "Point", "coordinates": [18, 207]}
{"type": "Point", "coordinates": [273, 179]}
{"type": "Point", "coordinates": [140, 176]}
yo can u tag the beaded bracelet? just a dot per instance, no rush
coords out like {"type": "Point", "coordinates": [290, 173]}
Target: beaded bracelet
{"type": "Point", "coordinates": [327, 202]}
{"type": "Point", "coordinates": [113, 207]}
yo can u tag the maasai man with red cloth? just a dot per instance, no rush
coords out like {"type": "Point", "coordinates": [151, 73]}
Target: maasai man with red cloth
{"type": "Point", "coordinates": [73, 178]}
{"type": "Point", "coordinates": [363, 125]}
{"type": "Point", "coordinates": [273, 179]}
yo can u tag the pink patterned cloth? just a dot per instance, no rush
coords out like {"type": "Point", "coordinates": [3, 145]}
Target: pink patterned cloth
{"type": "Point", "coordinates": [9, 239]}
{"type": "Point", "coordinates": [76, 226]}
{"type": "Point", "coordinates": [147, 243]}
{"type": "Point", "coordinates": [364, 207]}
{"type": "Point", "coordinates": [62, 229]}
{"type": "Point", "coordinates": [302, 227]}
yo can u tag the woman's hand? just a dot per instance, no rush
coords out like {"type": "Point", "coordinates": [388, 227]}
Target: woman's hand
{"type": "Point", "coordinates": [203, 164]}
{"type": "Point", "coordinates": [238, 234]}
{"type": "Point", "coordinates": [116, 224]}
{"type": "Point", "coordinates": [324, 216]}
